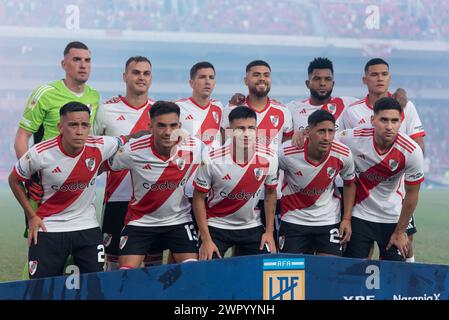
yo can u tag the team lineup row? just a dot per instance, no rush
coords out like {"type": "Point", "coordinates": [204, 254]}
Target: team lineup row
{"type": "Point", "coordinates": [231, 182]}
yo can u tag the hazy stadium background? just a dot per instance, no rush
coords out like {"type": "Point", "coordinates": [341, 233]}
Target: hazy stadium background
{"type": "Point", "coordinates": [413, 36]}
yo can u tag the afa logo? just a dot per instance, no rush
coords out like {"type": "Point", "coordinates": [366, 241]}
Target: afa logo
{"type": "Point", "coordinates": [284, 279]}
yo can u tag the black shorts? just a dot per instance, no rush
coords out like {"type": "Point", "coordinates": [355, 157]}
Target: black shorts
{"type": "Point", "coordinates": [247, 241]}
{"type": "Point", "coordinates": [49, 256]}
{"type": "Point", "coordinates": [411, 228]}
{"type": "Point", "coordinates": [295, 238]}
{"type": "Point", "coordinates": [277, 214]}
{"type": "Point", "coordinates": [365, 233]}
{"type": "Point", "coordinates": [180, 238]}
{"type": "Point", "coordinates": [113, 222]}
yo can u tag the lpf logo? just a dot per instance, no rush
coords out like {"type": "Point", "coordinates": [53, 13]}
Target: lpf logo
{"type": "Point", "coordinates": [284, 279]}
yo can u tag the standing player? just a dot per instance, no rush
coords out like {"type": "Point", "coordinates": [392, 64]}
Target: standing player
{"type": "Point", "coordinates": [233, 175]}
{"type": "Point", "coordinates": [320, 83]}
{"type": "Point", "coordinates": [41, 115]}
{"type": "Point", "coordinates": [383, 157]}
{"type": "Point", "coordinates": [65, 222]}
{"type": "Point", "coordinates": [201, 115]}
{"type": "Point", "coordinates": [44, 103]}
{"type": "Point", "coordinates": [159, 209]}
{"type": "Point", "coordinates": [310, 210]}
{"type": "Point", "coordinates": [123, 116]}
{"type": "Point", "coordinates": [377, 79]}
{"type": "Point", "coordinates": [274, 121]}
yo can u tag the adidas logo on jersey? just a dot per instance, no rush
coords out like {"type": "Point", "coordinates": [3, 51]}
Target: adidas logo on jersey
{"type": "Point", "coordinates": [121, 117]}
{"type": "Point", "coordinates": [303, 111]}
{"type": "Point", "coordinates": [56, 170]}
{"type": "Point", "coordinates": [299, 173]}
{"type": "Point", "coordinates": [361, 156]}
{"type": "Point", "coordinates": [362, 121]}
{"type": "Point", "coordinates": [147, 167]}
{"type": "Point", "coordinates": [226, 177]}
{"type": "Point", "coordinates": [189, 117]}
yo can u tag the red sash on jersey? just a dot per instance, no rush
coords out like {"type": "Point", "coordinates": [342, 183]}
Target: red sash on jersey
{"type": "Point", "coordinates": [115, 178]}
{"type": "Point", "coordinates": [270, 126]}
{"type": "Point", "coordinates": [382, 170]}
{"type": "Point", "coordinates": [80, 175]}
{"type": "Point", "coordinates": [153, 200]}
{"type": "Point", "coordinates": [299, 201]}
{"type": "Point", "coordinates": [247, 184]}
{"type": "Point", "coordinates": [210, 125]}
{"type": "Point", "coordinates": [335, 106]}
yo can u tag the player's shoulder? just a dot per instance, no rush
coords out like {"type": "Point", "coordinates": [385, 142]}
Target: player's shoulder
{"type": "Point", "coordinates": [362, 131]}
{"type": "Point", "coordinates": [276, 104]}
{"type": "Point", "coordinates": [340, 148]}
{"type": "Point", "coordinates": [289, 149]}
{"type": "Point", "coordinates": [143, 142]}
{"type": "Point", "coordinates": [44, 91]}
{"type": "Point", "coordinates": [357, 103]}
{"type": "Point", "coordinates": [347, 100]}
{"type": "Point", "coordinates": [182, 101]}
{"type": "Point", "coordinates": [45, 146]}
{"type": "Point", "coordinates": [265, 151]}
{"type": "Point", "coordinates": [97, 140]}
{"type": "Point", "coordinates": [219, 152]}
{"type": "Point", "coordinates": [406, 143]}
{"type": "Point", "coordinates": [112, 101]}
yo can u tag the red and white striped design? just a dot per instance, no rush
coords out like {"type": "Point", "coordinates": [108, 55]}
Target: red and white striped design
{"type": "Point", "coordinates": [381, 175]}
{"type": "Point", "coordinates": [68, 181]}
{"type": "Point", "coordinates": [157, 182]}
{"type": "Point", "coordinates": [203, 123]}
{"type": "Point", "coordinates": [308, 193]}
{"type": "Point", "coordinates": [232, 202]}
{"type": "Point", "coordinates": [302, 109]}
{"type": "Point", "coordinates": [117, 117]}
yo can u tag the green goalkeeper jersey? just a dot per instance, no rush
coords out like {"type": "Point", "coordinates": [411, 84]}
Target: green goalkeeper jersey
{"type": "Point", "coordinates": [43, 107]}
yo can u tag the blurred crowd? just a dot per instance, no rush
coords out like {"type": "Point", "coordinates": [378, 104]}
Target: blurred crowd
{"type": "Point", "coordinates": [407, 19]}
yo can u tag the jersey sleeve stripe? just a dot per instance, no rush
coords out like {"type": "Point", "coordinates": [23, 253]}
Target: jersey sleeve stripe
{"type": "Point", "coordinates": [288, 134]}
{"type": "Point", "coordinates": [411, 183]}
{"type": "Point", "coordinates": [45, 143]}
{"type": "Point", "coordinates": [418, 134]}
{"type": "Point", "coordinates": [201, 189]}
{"type": "Point", "coordinates": [405, 142]}
{"type": "Point", "coordinates": [50, 146]}
{"type": "Point", "coordinates": [340, 147]}
{"type": "Point", "coordinates": [17, 174]}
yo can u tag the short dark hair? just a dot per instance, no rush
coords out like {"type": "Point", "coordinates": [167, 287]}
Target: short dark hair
{"type": "Point", "coordinates": [137, 59]}
{"type": "Point", "coordinates": [73, 106]}
{"type": "Point", "coordinates": [163, 107]}
{"type": "Point", "coordinates": [257, 63]}
{"type": "Point", "coordinates": [75, 45]}
{"type": "Point", "coordinates": [198, 66]}
{"type": "Point", "coordinates": [242, 112]}
{"type": "Point", "coordinates": [320, 116]}
{"type": "Point", "coordinates": [387, 103]}
{"type": "Point", "coordinates": [375, 61]}
{"type": "Point", "coordinates": [320, 63]}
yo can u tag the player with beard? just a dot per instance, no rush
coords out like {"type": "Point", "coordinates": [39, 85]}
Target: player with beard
{"type": "Point", "coordinates": [274, 122]}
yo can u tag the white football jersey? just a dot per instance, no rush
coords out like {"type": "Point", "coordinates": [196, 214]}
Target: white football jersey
{"type": "Point", "coordinates": [203, 123]}
{"type": "Point", "coordinates": [68, 181]}
{"type": "Point", "coordinates": [359, 114]}
{"type": "Point", "coordinates": [274, 122]}
{"type": "Point", "coordinates": [301, 110]}
{"type": "Point", "coordinates": [234, 189]}
{"type": "Point", "coordinates": [114, 118]}
{"type": "Point", "coordinates": [378, 197]}
{"type": "Point", "coordinates": [158, 183]}
{"type": "Point", "coordinates": [308, 193]}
